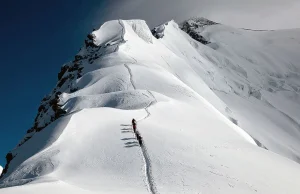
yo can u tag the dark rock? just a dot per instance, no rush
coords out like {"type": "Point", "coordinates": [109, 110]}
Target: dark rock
{"type": "Point", "coordinates": [57, 94]}
{"type": "Point", "coordinates": [30, 130]}
{"type": "Point", "coordinates": [62, 81]}
{"type": "Point", "coordinates": [158, 32]}
{"type": "Point", "coordinates": [193, 27]}
{"type": "Point", "coordinates": [62, 71]}
{"type": "Point", "coordinates": [73, 89]}
{"type": "Point", "coordinates": [45, 98]}
{"type": "Point", "coordinates": [78, 57]}
{"type": "Point", "coordinates": [38, 129]}
{"type": "Point", "coordinates": [91, 36]}
{"type": "Point", "coordinates": [89, 42]}
{"type": "Point", "coordinates": [53, 101]}
{"type": "Point", "coordinates": [59, 112]}
{"type": "Point", "coordinates": [195, 35]}
{"type": "Point", "coordinates": [74, 67]}
{"type": "Point", "coordinates": [41, 108]}
{"type": "Point", "coordinates": [9, 156]}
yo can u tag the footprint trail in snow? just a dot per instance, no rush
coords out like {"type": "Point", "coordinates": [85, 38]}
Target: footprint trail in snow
{"type": "Point", "coordinates": [146, 158]}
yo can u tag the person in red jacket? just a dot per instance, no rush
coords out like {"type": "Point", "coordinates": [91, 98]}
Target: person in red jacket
{"type": "Point", "coordinates": [134, 125]}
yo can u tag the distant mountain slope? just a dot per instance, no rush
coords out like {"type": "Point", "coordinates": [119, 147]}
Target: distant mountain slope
{"type": "Point", "coordinates": [257, 74]}
{"type": "Point", "coordinates": [188, 92]}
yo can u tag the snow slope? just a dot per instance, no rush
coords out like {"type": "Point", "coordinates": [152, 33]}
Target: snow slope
{"type": "Point", "coordinates": [190, 141]}
{"type": "Point", "coordinates": [257, 74]}
{"type": "Point", "coordinates": [1, 169]}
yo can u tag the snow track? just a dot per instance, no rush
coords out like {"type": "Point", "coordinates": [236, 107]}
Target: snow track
{"type": "Point", "coordinates": [148, 167]}
{"type": "Point", "coordinates": [130, 73]}
{"type": "Point", "coordinates": [146, 158]}
{"type": "Point", "coordinates": [150, 104]}
{"type": "Point", "coordinates": [148, 170]}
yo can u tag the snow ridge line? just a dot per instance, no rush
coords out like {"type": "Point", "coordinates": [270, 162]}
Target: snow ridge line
{"type": "Point", "coordinates": [130, 74]}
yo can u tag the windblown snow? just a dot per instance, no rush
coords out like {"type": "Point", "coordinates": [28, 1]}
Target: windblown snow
{"type": "Point", "coordinates": [204, 96]}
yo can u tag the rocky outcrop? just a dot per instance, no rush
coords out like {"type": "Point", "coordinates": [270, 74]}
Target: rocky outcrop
{"type": "Point", "coordinates": [9, 158]}
{"type": "Point", "coordinates": [158, 32]}
{"type": "Point", "coordinates": [194, 27]}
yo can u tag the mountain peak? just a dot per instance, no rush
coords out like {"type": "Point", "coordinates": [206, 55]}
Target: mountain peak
{"type": "Point", "coordinates": [198, 22]}
{"type": "Point", "coordinates": [194, 27]}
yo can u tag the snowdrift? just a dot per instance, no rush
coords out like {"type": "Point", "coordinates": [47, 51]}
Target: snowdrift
{"type": "Point", "coordinates": [187, 98]}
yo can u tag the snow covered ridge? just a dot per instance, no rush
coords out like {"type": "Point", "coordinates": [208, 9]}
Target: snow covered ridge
{"type": "Point", "coordinates": [186, 97]}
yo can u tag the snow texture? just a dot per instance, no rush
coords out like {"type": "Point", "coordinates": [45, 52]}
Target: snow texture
{"type": "Point", "coordinates": [201, 110]}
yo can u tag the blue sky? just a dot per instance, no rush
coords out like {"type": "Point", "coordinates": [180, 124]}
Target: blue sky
{"type": "Point", "coordinates": [36, 38]}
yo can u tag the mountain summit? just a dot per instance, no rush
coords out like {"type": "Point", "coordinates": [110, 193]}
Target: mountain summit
{"type": "Point", "coordinates": [212, 105]}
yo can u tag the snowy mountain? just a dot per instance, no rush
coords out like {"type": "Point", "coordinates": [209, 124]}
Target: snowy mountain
{"type": "Point", "coordinates": [1, 169]}
{"type": "Point", "coordinates": [204, 95]}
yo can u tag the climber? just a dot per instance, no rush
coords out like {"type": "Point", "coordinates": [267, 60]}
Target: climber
{"type": "Point", "coordinates": [134, 125]}
{"type": "Point", "coordinates": [139, 138]}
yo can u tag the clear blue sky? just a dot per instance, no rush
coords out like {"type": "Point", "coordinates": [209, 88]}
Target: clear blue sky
{"type": "Point", "coordinates": [36, 38]}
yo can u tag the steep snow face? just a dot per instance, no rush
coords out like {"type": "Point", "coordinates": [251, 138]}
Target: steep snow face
{"type": "Point", "coordinates": [190, 143]}
{"type": "Point", "coordinates": [257, 74]}
{"type": "Point", "coordinates": [1, 168]}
